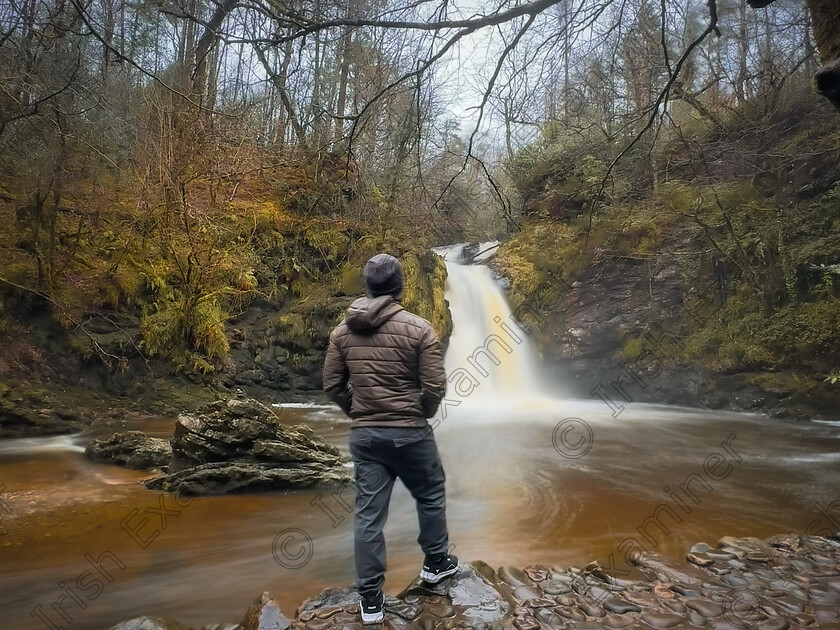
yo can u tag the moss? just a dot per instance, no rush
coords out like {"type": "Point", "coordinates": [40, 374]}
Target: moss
{"type": "Point", "coordinates": [424, 290]}
{"type": "Point", "coordinates": [633, 348]}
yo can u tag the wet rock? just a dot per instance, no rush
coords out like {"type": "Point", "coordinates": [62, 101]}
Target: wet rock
{"type": "Point", "coordinates": [521, 593]}
{"type": "Point", "coordinates": [526, 623]}
{"type": "Point", "coordinates": [471, 591]}
{"type": "Point", "coordinates": [512, 576]}
{"type": "Point", "coordinates": [662, 619]}
{"type": "Point", "coordinates": [20, 418]}
{"type": "Point", "coordinates": [686, 591]}
{"type": "Point", "coordinates": [149, 623]}
{"type": "Point", "coordinates": [705, 607]}
{"type": "Point", "coordinates": [695, 618]}
{"type": "Point", "coordinates": [536, 573]}
{"type": "Point", "coordinates": [675, 605]}
{"type": "Point", "coordinates": [265, 614]}
{"type": "Point", "coordinates": [734, 580]}
{"type": "Point", "coordinates": [330, 598]}
{"type": "Point", "coordinates": [478, 598]}
{"type": "Point", "coordinates": [239, 445]}
{"type": "Point", "coordinates": [132, 449]}
{"type": "Point", "coordinates": [654, 565]}
{"type": "Point", "coordinates": [221, 478]}
{"type": "Point", "coordinates": [700, 559]}
{"type": "Point", "coordinates": [620, 606]}
{"type": "Point", "coordinates": [244, 429]}
{"type": "Point", "coordinates": [555, 587]}
{"type": "Point", "coordinates": [592, 610]}
{"type": "Point", "coordinates": [774, 624]}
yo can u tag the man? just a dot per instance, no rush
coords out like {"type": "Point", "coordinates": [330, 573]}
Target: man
{"type": "Point", "coordinates": [384, 369]}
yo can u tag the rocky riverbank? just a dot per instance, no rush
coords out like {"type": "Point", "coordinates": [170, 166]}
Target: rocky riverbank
{"type": "Point", "coordinates": [782, 582]}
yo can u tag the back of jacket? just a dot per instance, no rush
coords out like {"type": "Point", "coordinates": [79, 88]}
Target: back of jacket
{"type": "Point", "coordinates": [384, 365]}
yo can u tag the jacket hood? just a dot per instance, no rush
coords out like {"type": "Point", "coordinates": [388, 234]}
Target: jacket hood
{"type": "Point", "coordinates": [367, 314]}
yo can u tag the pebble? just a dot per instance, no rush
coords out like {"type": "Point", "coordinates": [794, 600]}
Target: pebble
{"type": "Point", "coordinates": [686, 591]}
{"type": "Point", "coordinates": [734, 580]}
{"type": "Point", "coordinates": [536, 574]}
{"type": "Point", "coordinates": [696, 619]}
{"type": "Point", "coordinates": [563, 611]}
{"type": "Point", "coordinates": [804, 619]}
{"type": "Point", "coordinates": [549, 617]}
{"type": "Point", "coordinates": [539, 602]}
{"type": "Point", "coordinates": [721, 555]}
{"type": "Point", "coordinates": [705, 607]}
{"type": "Point", "coordinates": [512, 576]}
{"type": "Point", "coordinates": [735, 551]}
{"type": "Point", "coordinates": [556, 587]}
{"type": "Point", "coordinates": [790, 604]}
{"type": "Point", "coordinates": [675, 605]}
{"type": "Point", "coordinates": [592, 610]}
{"type": "Point", "coordinates": [700, 559]}
{"type": "Point", "coordinates": [526, 623]}
{"type": "Point", "coordinates": [526, 592]}
{"type": "Point", "coordinates": [577, 615]}
{"type": "Point", "coordinates": [774, 624]}
{"type": "Point", "coordinates": [662, 619]}
{"type": "Point", "coordinates": [619, 606]}
{"type": "Point", "coordinates": [617, 622]}
{"type": "Point", "coordinates": [826, 613]}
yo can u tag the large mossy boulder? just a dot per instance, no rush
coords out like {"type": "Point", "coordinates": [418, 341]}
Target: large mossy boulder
{"type": "Point", "coordinates": [239, 445]}
{"type": "Point", "coordinates": [242, 429]}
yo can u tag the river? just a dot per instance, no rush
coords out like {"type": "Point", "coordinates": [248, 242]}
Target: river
{"type": "Point", "coordinates": [530, 479]}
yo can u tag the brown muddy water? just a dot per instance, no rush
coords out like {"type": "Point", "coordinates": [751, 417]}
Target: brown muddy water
{"type": "Point", "coordinates": [526, 484]}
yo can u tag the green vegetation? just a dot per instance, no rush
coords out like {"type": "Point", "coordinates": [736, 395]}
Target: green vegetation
{"type": "Point", "coordinates": [756, 250]}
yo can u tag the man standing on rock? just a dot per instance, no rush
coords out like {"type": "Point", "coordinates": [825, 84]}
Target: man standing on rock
{"type": "Point", "coordinates": [385, 370]}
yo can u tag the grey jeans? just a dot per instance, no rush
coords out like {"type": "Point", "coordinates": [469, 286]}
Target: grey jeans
{"type": "Point", "coordinates": [380, 455]}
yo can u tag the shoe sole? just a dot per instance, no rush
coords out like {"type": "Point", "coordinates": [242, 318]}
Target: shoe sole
{"type": "Point", "coordinates": [434, 578]}
{"type": "Point", "coordinates": [375, 618]}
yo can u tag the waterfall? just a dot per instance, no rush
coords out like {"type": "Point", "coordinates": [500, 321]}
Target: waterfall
{"type": "Point", "coordinates": [490, 358]}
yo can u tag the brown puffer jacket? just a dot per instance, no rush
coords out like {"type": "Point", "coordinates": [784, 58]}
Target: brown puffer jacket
{"type": "Point", "coordinates": [384, 365]}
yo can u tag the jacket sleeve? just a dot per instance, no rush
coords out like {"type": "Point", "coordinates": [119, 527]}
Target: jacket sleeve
{"type": "Point", "coordinates": [337, 377]}
{"type": "Point", "coordinates": [432, 375]}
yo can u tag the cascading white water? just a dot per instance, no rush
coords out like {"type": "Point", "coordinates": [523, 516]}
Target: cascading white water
{"type": "Point", "coordinates": [490, 357]}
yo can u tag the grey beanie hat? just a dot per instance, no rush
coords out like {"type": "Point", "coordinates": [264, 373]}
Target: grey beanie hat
{"type": "Point", "coordinates": [383, 276]}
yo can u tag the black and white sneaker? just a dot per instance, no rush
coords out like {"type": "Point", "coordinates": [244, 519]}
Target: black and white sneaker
{"type": "Point", "coordinates": [436, 568]}
{"type": "Point", "coordinates": [371, 608]}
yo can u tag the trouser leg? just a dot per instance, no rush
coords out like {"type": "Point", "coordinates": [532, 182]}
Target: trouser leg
{"type": "Point", "coordinates": [419, 467]}
{"type": "Point", "coordinates": [374, 482]}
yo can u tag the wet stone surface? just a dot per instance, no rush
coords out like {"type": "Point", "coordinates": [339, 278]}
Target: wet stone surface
{"type": "Point", "coordinates": [784, 582]}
